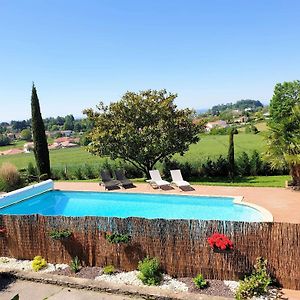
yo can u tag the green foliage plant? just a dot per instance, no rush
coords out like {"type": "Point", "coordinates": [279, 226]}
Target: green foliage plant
{"type": "Point", "coordinates": [200, 281]}
{"type": "Point", "coordinates": [38, 263]}
{"type": "Point", "coordinates": [150, 273]}
{"type": "Point", "coordinates": [142, 129]}
{"type": "Point", "coordinates": [117, 238]}
{"type": "Point", "coordinates": [75, 264]}
{"type": "Point", "coordinates": [109, 270]}
{"type": "Point", "coordinates": [60, 234]}
{"type": "Point", "coordinates": [256, 284]}
{"type": "Point", "coordinates": [41, 151]}
{"type": "Point", "coordinates": [283, 139]}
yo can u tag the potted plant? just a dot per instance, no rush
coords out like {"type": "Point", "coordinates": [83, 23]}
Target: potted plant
{"type": "Point", "coordinates": [220, 243]}
{"type": "Point", "coordinates": [60, 234]}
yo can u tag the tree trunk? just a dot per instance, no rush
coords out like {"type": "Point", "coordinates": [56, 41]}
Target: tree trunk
{"type": "Point", "coordinates": [295, 173]}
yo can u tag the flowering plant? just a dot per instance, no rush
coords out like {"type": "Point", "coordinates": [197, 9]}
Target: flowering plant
{"type": "Point", "coordinates": [2, 230]}
{"type": "Point", "coordinates": [220, 241]}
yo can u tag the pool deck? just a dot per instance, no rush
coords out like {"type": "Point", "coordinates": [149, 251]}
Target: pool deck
{"type": "Point", "coordinates": [282, 203]}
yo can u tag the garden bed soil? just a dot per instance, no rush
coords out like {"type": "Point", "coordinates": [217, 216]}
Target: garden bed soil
{"type": "Point", "coordinates": [84, 272]}
{"type": "Point", "coordinates": [214, 288]}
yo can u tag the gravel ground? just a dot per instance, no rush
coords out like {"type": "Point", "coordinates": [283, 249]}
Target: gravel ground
{"type": "Point", "coordinates": [7, 264]}
{"type": "Point", "coordinates": [132, 279]}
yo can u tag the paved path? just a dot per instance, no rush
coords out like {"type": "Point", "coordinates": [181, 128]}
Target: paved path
{"type": "Point", "coordinates": [39, 291]}
{"type": "Point", "coordinates": [283, 204]}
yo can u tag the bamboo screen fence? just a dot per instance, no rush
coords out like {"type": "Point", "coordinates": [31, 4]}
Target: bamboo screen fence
{"type": "Point", "coordinates": [180, 245]}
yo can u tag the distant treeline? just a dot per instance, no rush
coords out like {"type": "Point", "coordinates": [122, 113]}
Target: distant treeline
{"type": "Point", "coordinates": [51, 124]}
{"type": "Point", "coordinates": [239, 105]}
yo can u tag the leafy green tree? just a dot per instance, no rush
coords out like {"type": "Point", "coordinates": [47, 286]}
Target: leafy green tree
{"type": "Point", "coordinates": [41, 151]}
{"type": "Point", "coordinates": [231, 165]}
{"type": "Point", "coordinates": [69, 122]}
{"type": "Point", "coordinates": [283, 139]}
{"type": "Point", "coordinates": [142, 128]}
{"type": "Point", "coordinates": [26, 135]}
{"type": "Point", "coordinates": [4, 140]}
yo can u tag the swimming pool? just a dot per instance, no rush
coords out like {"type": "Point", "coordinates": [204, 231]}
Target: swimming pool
{"type": "Point", "coordinates": [122, 205]}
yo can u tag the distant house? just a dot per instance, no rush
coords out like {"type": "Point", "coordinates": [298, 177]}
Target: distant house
{"type": "Point", "coordinates": [66, 133]}
{"type": "Point", "coordinates": [241, 120]}
{"type": "Point", "coordinates": [220, 124]}
{"type": "Point", "coordinates": [67, 139]}
{"type": "Point", "coordinates": [64, 142]}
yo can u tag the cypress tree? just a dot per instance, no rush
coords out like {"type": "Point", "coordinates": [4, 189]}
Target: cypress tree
{"type": "Point", "coordinates": [41, 151]}
{"type": "Point", "coordinates": [231, 154]}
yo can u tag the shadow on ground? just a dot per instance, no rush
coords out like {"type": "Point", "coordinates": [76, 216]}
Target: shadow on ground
{"type": "Point", "coordinates": [6, 279]}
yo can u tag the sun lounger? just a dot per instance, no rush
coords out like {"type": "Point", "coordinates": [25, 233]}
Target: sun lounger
{"type": "Point", "coordinates": [126, 183]}
{"type": "Point", "coordinates": [178, 180]}
{"type": "Point", "coordinates": [108, 182]}
{"type": "Point", "coordinates": [156, 180]}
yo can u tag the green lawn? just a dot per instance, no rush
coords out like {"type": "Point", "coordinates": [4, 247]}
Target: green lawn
{"type": "Point", "coordinates": [257, 181]}
{"type": "Point", "coordinates": [18, 144]}
{"type": "Point", "coordinates": [215, 145]}
{"type": "Point", "coordinates": [209, 146]}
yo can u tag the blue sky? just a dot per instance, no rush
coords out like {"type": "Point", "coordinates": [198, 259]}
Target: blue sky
{"type": "Point", "coordinates": [81, 52]}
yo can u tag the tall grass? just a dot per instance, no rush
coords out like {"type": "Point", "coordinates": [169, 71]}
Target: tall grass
{"type": "Point", "coordinates": [10, 178]}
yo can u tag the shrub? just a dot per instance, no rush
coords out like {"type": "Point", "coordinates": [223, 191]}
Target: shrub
{"type": "Point", "coordinates": [38, 263]}
{"type": "Point", "coordinates": [150, 273]}
{"type": "Point", "coordinates": [75, 264]}
{"type": "Point", "coordinates": [256, 284]}
{"type": "Point", "coordinates": [109, 270]}
{"type": "Point", "coordinates": [88, 172]}
{"type": "Point", "coordinates": [244, 164]}
{"type": "Point", "coordinates": [255, 163]}
{"type": "Point", "coordinates": [31, 172]}
{"type": "Point", "coordinates": [60, 234]}
{"type": "Point", "coordinates": [78, 173]}
{"type": "Point", "coordinates": [251, 129]}
{"type": "Point", "coordinates": [218, 168]}
{"type": "Point", "coordinates": [220, 241]}
{"type": "Point", "coordinates": [186, 168]}
{"type": "Point", "coordinates": [10, 178]}
{"type": "Point", "coordinates": [200, 282]}
{"type": "Point", "coordinates": [116, 238]}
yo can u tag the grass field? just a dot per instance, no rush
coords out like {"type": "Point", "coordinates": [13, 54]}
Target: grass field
{"type": "Point", "coordinates": [258, 181]}
{"type": "Point", "coordinates": [209, 146]}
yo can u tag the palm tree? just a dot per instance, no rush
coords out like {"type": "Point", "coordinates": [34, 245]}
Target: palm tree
{"type": "Point", "coordinates": [283, 145]}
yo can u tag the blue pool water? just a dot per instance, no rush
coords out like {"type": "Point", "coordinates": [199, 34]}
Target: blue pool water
{"type": "Point", "coordinates": [62, 203]}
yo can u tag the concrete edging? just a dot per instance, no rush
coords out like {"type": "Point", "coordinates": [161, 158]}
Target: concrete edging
{"type": "Point", "coordinates": [151, 293]}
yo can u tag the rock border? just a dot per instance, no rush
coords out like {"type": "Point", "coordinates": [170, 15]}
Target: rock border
{"type": "Point", "coordinates": [149, 293]}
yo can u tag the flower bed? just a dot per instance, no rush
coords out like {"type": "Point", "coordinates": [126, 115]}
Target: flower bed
{"type": "Point", "coordinates": [215, 287]}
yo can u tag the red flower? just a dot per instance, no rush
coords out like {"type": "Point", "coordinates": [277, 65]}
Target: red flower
{"type": "Point", "coordinates": [220, 241]}
{"type": "Point", "coordinates": [2, 230]}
